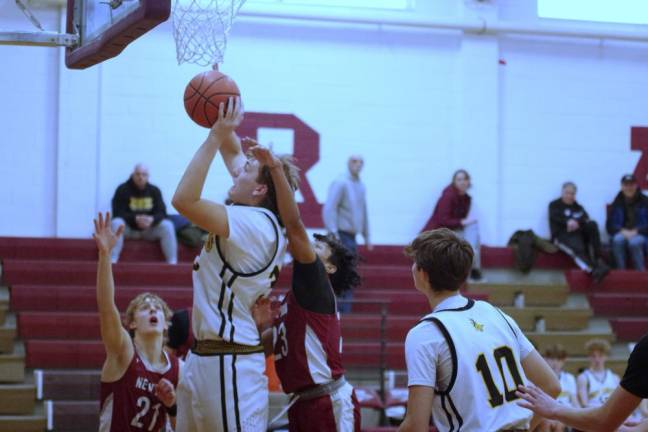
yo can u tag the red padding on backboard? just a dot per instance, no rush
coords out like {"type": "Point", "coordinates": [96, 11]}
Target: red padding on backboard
{"type": "Point", "coordinates": [149, 14]}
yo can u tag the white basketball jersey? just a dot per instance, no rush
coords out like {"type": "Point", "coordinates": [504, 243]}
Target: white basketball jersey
{"type": "Point", "coordinates": [599, 390]}
{"type": "Point", "coordinates": [223, 292]}
{"type": "Point", "coordinates": [486, 371]}
{"type": "Point", "coordinates": [567, 388]}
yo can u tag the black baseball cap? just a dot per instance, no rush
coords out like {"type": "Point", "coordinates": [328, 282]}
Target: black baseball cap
{"type": "Point", "coordinates": [629, 178]}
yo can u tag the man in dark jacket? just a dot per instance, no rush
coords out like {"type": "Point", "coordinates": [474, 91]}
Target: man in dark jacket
{"type": "Point", "coordinates": [627, 224]}
{"type": "Point", "coordinates": [575, 233]}
{"type": "Point", "coordinates": [139, 206]}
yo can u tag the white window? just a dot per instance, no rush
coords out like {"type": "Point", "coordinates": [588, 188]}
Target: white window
{"type": "Point", "coordinates": [617, 11]}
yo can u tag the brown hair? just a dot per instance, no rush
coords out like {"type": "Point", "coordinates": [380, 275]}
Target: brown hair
{"type": "Point", "coordinates": [291, 172]}
{"type": "Point", "coordinates": [597, 345]}
{"type": "Point", "coordinates": [556, 351]}
{"type": "Point", "coordinates": [443, 256]}
{"type": "Point", "coordinates": [138, 301]}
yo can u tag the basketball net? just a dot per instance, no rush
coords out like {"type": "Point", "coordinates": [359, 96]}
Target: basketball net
{"type": "Point", "coordinates": [200, 29]}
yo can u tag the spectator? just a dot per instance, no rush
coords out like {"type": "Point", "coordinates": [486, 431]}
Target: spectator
{"type": "Point", "coordinates": [555, 356]}
{"type": "Point", "coordinates": [575, 233]}
{"type": "Point", "coordinates": [345, 214]}
{"type": "Point", "coordinates": [627, 224]}
{"type": "Point", "coordinates": [596, 383]}
{"type": "Point", "coordinates": [138, 205]}
{"type": "Point", "coordinates": [452, 212]}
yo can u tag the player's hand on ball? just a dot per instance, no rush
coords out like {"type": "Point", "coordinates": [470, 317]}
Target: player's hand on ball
{"type": "Point", "coordinates": [229, 118]}
{"type": "Point", "coordinates": [265, 156]}
{"type": "Point", "coordinates": [104, 235]}
{"type": "Point", "coordinates": [165, 392]}
{"type": "Point", "coordinates": [537, 401]}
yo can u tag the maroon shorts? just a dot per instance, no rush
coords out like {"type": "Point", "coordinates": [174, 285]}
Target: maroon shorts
{"type": "Point", "coordinates": [337, 412]}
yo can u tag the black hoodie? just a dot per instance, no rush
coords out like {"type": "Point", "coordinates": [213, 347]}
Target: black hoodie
{"type": "Point", "coordinates": [129, 201]}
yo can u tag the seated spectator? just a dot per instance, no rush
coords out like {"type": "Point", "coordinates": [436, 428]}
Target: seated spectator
{"type": "Point", "coordinates": [575, 233]}
{"type": "Point", "coordinates": [596, 383]}
{"type": "Point", "coordinates": [451, 211]}
{"type": "Point", "coordinates": [139, 206]}
{"type": "Point", "coordinates": [627, 224]}
{"type": "Point", "coordinates": [555, 356]}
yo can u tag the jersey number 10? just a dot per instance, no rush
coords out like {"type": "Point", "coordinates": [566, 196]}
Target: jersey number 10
{"type": "Point", "coordinates": [495, 395]}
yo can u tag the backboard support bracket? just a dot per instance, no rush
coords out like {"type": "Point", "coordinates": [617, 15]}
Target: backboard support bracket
{"type": "Point", "coordinates": [38, 38]}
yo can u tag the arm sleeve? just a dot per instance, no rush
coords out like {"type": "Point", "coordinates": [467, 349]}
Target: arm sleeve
{"type": "Point", "coordinates": [444, 211]}
{"type": "Point", "coordinates": [329, 211]}
{"type": "Point", "coordinates": [311, 286]}
{"type": "Point", "coordinates": [635, 378]}
{"type": "Point", "coordinates": [420, 357]}
{"type": "Point", "coordinates": [159, 208]}
{"type": "Point", "coordinates": [120, 206]}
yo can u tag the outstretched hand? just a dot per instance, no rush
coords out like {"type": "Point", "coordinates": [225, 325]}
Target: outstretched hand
{"type": "Point", "coordinates": [263, 155]}
{"type": "Point", "coordinates": [537, 401]}
{"type": "Point", "coordinates": [104, 235]}
{"type": "Point", "coordinates": [229, 118]}
{"type": "Point", "coordinates": [165, 392]}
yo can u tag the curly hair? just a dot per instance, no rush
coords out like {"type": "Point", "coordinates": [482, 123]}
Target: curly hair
{"type": "Point", "coordinates": [346, 277]}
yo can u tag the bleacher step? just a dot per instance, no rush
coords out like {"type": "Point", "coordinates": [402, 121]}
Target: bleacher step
{"type": "Point", "coordinates": [12, 365]}
{"type": "Point", "coordinates": [17, 399]}
{"type": "Point", "coordinates": [36, 421]}
{"type": "Point", "coordinates": [534, 294]}
{"type": "Point", "coordinates": [8, 334]}
{"type": "Point", "coordinates": [556, 319]}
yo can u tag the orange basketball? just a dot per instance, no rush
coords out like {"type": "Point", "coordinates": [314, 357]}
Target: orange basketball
{"type": "Point", "coordinates": [205, 92]}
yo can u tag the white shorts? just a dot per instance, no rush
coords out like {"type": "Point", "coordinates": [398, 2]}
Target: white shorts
{"type": "Point", "coordinates": [223, 393]}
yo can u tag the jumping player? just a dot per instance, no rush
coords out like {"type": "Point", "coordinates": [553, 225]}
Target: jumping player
{"type": "Point", "coordinates": [138, 378]}
{"type": "Point", "coordinates": [466, 358]}
{"type": "Point", "coordinates": [223, 386]}
{"type": "Point", "coordinates": [306, 337]}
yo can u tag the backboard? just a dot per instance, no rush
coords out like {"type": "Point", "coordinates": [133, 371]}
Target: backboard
{"type": "Point", "coordinates": [106, 27]}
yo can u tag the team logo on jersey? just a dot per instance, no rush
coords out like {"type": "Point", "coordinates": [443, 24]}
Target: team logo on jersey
{"type": "Point", "coordinates": [209, 244]}
{"type": "Point", "coordinates": [478, 327]}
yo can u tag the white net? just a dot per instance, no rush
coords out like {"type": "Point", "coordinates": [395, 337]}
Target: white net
{"type": "Point", "coordinates": [200, 29]}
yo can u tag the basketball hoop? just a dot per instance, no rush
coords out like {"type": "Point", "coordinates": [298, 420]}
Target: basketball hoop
{"type": "Point", "coordinates": [200, 29]}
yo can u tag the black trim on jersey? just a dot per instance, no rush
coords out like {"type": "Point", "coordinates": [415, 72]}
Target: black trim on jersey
{"type": "Point", "coordinates": [456, 411]}
{"type": "Point", "coordinates": [469, 305]}
{"type": "Point", "coordinates": [221, 299]}
{"type": "Point", "coordinates": [507, 321]}
{"type": "Point", "coordinates": [447, 413]}
{"type": "Point", "coordinates": [274, 254]}
{"type": "Point", "coordinates": [231, 307]}
{"type": "Point", "coordinates": [223, 393]}
{"type": "Point", "coordinates": [236, 407]}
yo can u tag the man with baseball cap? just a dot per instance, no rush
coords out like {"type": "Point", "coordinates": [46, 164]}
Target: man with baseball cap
{"type": "Point", "coordinates": [627, 224]}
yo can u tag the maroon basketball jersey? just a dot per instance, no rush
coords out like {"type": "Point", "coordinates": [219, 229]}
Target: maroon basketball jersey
{"type": "Point", "coordinates": [307, 346]}
{"type": "Point", "coordinates": [129, 404]}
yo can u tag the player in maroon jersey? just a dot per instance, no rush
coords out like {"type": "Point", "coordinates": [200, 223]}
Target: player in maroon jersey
{"type": "Point", "coordinates": [138, 378]}
{"type": "Point", "coordinates": [305, 336]}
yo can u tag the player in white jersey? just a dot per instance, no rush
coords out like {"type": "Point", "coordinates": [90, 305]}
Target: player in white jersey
{"type": "Point", "coordinates": [223, 386]}
{"type": "Point", "coordinates": [555, 355]}
{"type": "Point", "coordinates": [596, 383]}
{"type": "Point", "coordinates": [466, 358]}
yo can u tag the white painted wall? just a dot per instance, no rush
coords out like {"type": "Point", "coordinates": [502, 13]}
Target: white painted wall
{"type": "Point", "coordinates": [418, 104]}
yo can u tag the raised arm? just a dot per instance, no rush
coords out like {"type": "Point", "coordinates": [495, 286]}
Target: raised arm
{"type": "Point", "coordinates": [300, 245]}
{"type": "Point", "coordinates": [113, 334]}
{"type": "Point", "coordinates": [187, 199]}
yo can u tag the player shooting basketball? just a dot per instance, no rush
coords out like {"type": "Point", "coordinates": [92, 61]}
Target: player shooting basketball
{"type": "Point", "coordinates": [224, 387]}
{"type": "Point", "coordinates": [305, 337]}
{"type": "Point", "coordinates": [138, 378]}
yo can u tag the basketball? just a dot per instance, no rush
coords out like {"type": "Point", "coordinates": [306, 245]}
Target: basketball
{"type": "Point", "coordinates": [205, 92]}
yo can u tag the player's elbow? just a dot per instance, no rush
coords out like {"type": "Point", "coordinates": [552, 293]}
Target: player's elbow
{"type": "Point", "coordinates": [179, 202]}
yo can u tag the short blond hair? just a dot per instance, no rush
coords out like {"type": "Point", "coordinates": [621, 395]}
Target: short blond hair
{"type": "Point", "coordinates": [600, 345]}
{"type": "Point", "coordinates": [141, 299]}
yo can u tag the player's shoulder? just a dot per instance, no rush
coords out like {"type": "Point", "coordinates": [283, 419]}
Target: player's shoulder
{"type": "Point", "coordinates": [423, 329]}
